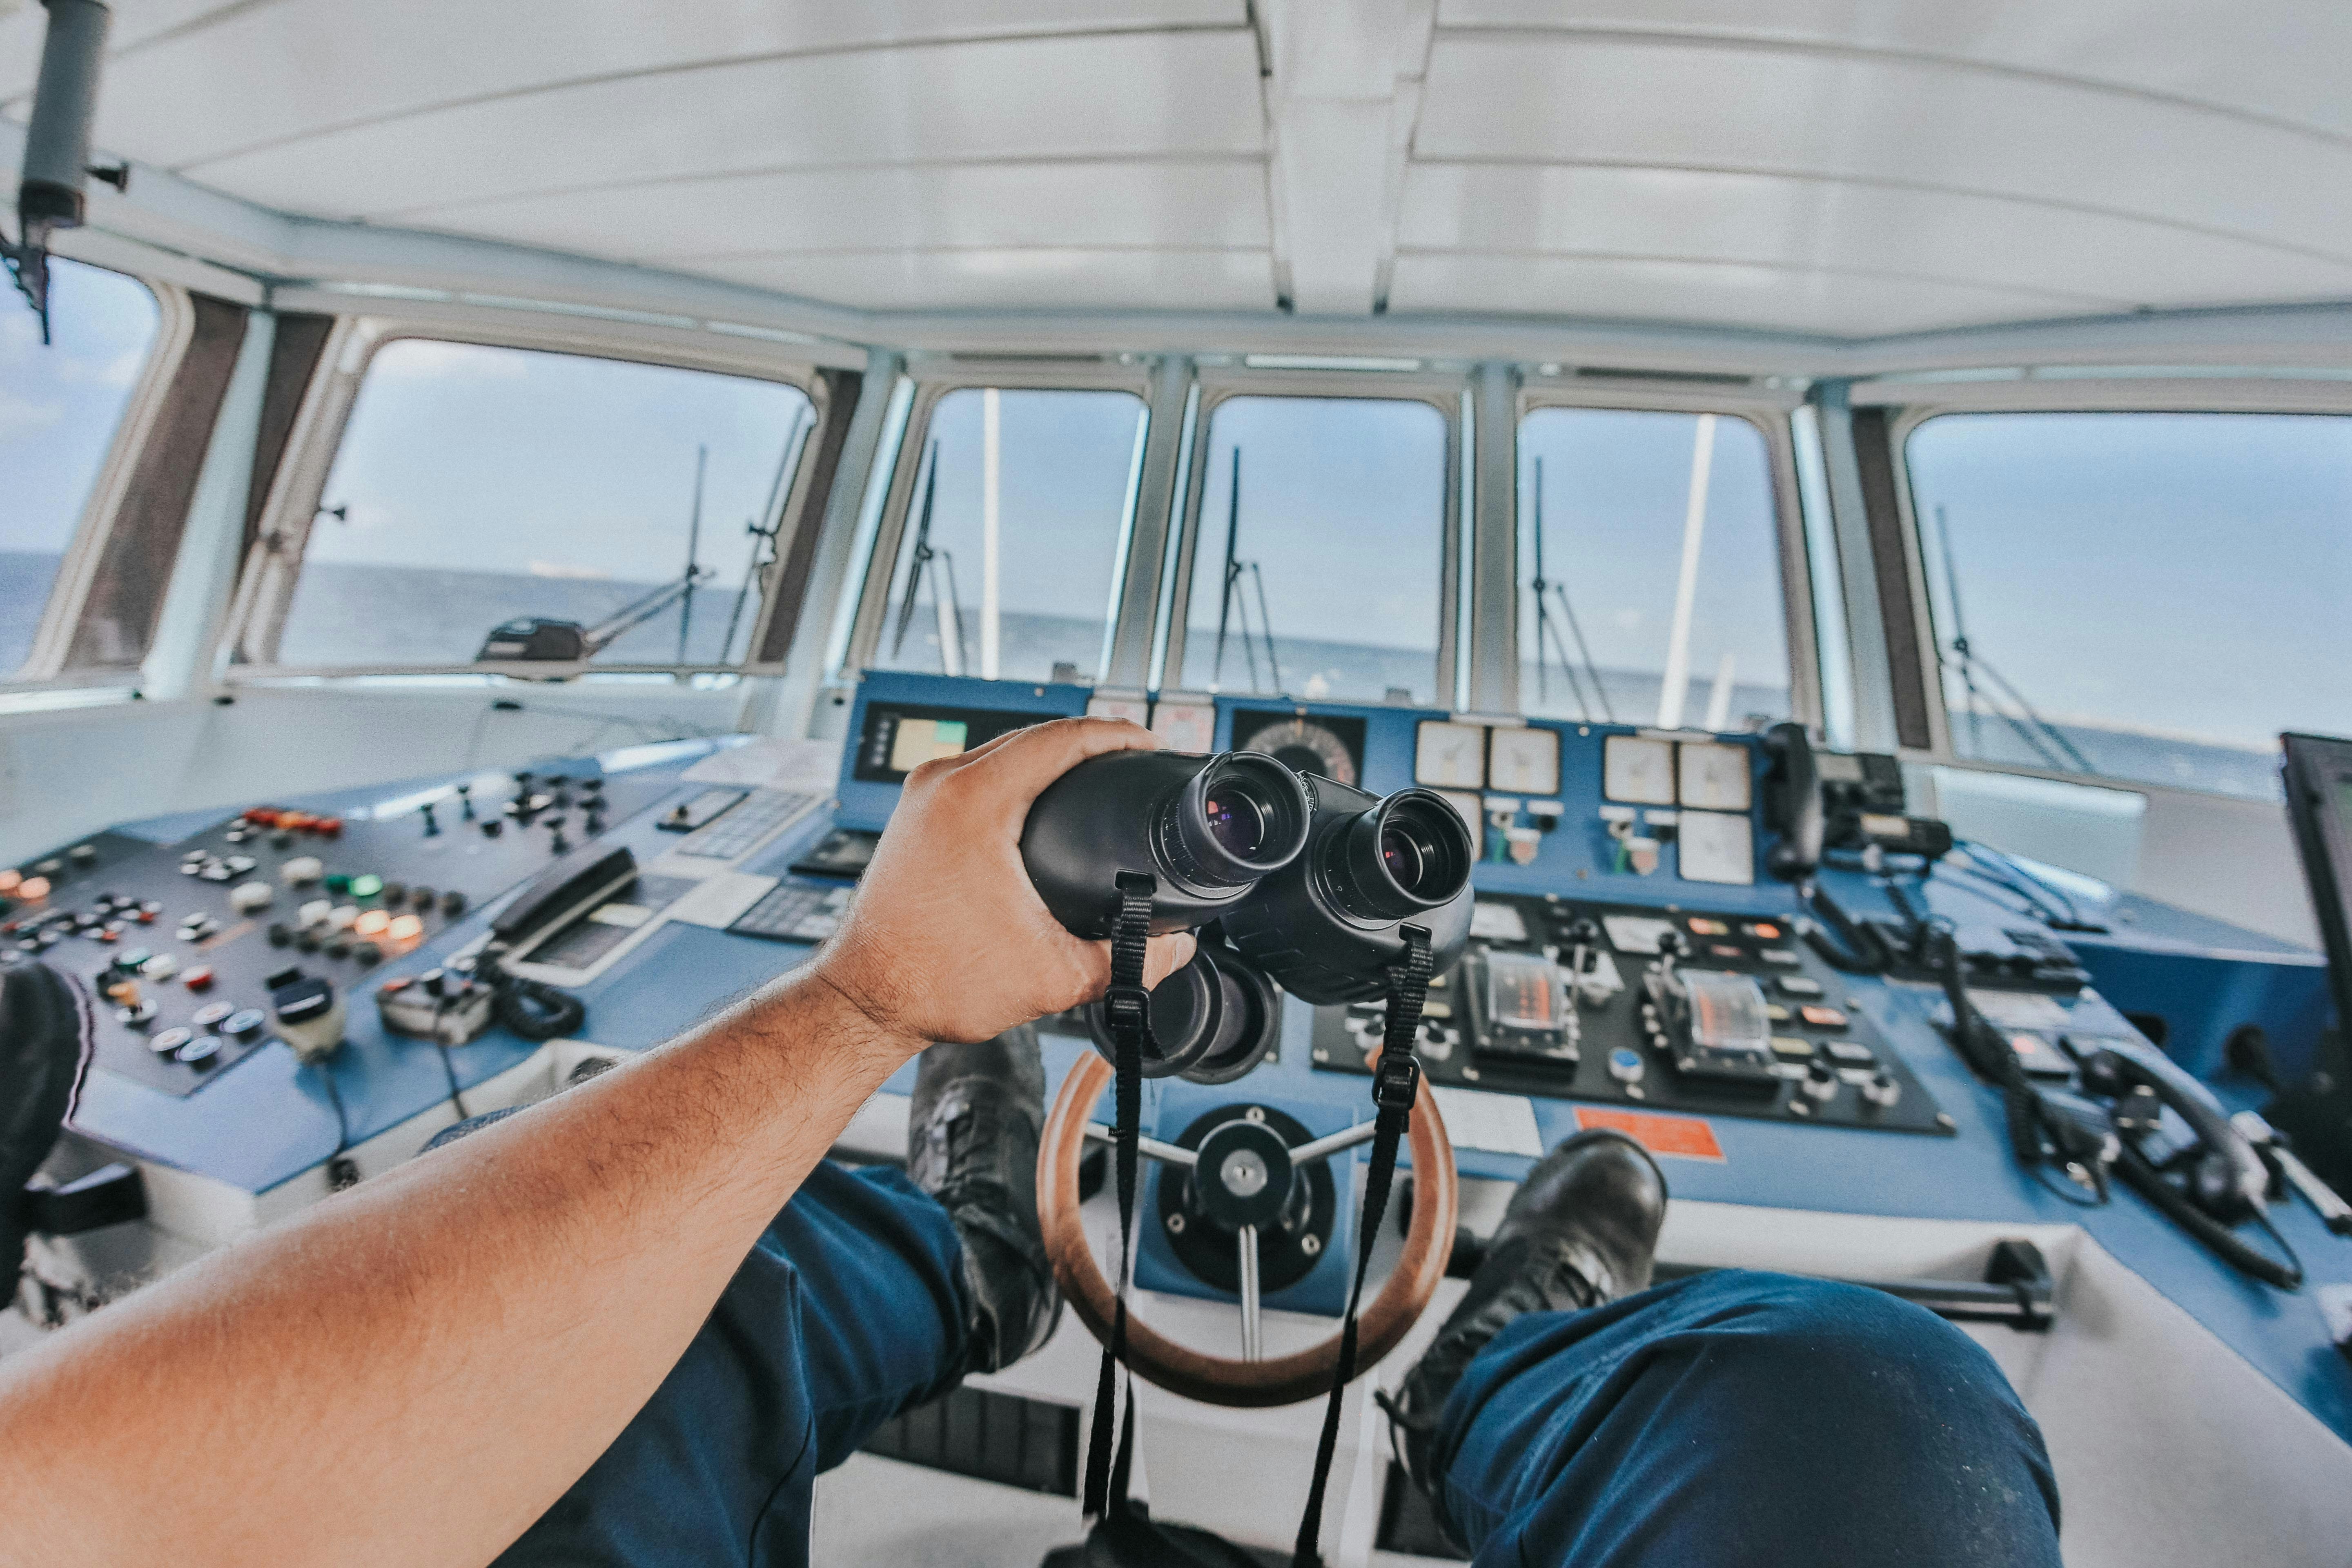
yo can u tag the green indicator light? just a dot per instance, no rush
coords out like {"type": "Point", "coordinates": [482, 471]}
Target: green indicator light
{"type": "Point", "coordinates": [339, 883]}
{"type": "Point", "coordinates": [367, 887]}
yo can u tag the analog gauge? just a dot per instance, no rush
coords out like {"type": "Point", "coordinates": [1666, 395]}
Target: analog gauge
{"type": "Point", "coordinates": [1524, 761]}
{"type": "Point", "coordinates": [1638, 769]}
{"type": "Point", "coordinates": [1715, 777]}
{"type": "Point", "coordinates": [1450, 756]}
{"type": "Point", "coordinates": [1304, 746]}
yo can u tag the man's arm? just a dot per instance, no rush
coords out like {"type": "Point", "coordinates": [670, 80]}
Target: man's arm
{"type": "Point", "coordinates": [414, 1370]}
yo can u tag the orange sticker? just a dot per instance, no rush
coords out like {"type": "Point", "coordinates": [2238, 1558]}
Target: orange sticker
{"type": "Point", "coordinates": [1683, 1137]}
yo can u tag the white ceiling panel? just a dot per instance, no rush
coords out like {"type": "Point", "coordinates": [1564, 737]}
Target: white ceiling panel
{"type": "Point", "coordinates": [1640, 289]}
{"type": "Point", "coordinates": [2097, 259]}
{"type": "Point", "coordinates": [1042, 280]}
{"type": "Point", "coordinates": [1741, 106]}
{"type": "Point", "coordinates": [1138, 94]}
{"type": "Point", "coordinates": [1093, 204]}
{"type": "Point", "coordinates": [2279, 58]}
{"type": "Point", "coordinates": [294, 67]}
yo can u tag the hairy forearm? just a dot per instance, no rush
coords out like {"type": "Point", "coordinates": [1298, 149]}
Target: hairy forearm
{"type": "Point", "coordinates": [414, 1370]}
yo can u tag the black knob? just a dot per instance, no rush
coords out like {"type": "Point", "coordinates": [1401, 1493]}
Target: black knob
{"type": "Point", "coordinates": [421, 897]}
{"type": "Point", "coordinates": [432, 828]}
{"type": "Point", "coordinates": [453, 903]}
{"type": "Point", "coordinates": [490, 827]}
{"type": "Point", "coordinates": [280, 934]}
{"type": "Point", "coordinates": [392, 893]}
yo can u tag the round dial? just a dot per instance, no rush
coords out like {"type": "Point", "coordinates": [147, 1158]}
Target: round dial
{"type": "Point", "coordinates": [1304, 746]}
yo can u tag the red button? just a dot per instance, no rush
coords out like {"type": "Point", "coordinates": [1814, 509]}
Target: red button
{"type": "Point", "coordinates": [198, 978]}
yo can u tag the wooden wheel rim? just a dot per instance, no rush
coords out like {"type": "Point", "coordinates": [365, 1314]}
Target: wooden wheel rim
{"type": "Point", "coordinates": [1221, 1380]}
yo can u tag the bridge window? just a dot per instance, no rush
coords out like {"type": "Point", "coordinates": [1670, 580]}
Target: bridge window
{"type": "Point", "coordinates": [1650, 588]}
{"type": "Point", "coordinates": [2140, 595]}
{"type": "Point", "coordinates": [1324, 580]}
{"type": "Point", "coordinates": [478, 485]}
{"type": "Point", "coordinates": [1015, 526]}
{"type": "Point", "coordinates": [59, 409]}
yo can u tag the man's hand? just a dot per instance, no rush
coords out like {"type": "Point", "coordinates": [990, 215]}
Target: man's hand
{"type": "Point", "coordinates": [948, 939]}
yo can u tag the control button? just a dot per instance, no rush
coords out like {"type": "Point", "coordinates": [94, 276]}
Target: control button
{"type": "Point", "coordinates": [148, 909]}
{"type": "Point", "coordinates": [1764, 931]}
{"type": "Point", "coordinates": [1794, 1048]}
{"type": "Point", "coordinates": [198, 978]}
{"type": "Point", "coordinates": [10, 881]}
{"type": "Point", "coordinates": [366, 953]}
{"type": "Point", "coordinates": [1780, 957]}
{"type": "Point", "coordinates": [422, 898]}
{"type": "Point", "coordinates": [210, 1015]}
{"type": "Point", "coordinates": [405, 928]}
{"type": "Point", "coordinates": [1881, 1090]}
{"type": "Point", "coordinates": [239, 865]}
{"type": "Point", "coordinates": [308, 942]}
{"type": "Point", "coordinates": [491, 827]}
{"type": "Point", "coordinates": [370, 924]}
{"type": "Point", "coordinates": [246, 898]}
{"type": "Point", "coordinates": [136, 1014]}
{"type": "Point", "coordinates": [1775, 1012]}
{"type": "Point", "coordinates": [163, 966]}
{"type": "Point", "coordinates": [83, 856]}
{"type": "Point", "coordinates": [199, 1051]}
{"type": "Point", "coordinates": [1625, 1064]}
{"type": "Point", "coordinates": [1821, 1081]}
{"type": "Point", "coordinates": [393, 892]}
{"type": "Point", "coordinates": [339, 948]}
{"type": "Point", "coordinates": [453, 903]}
{"type": "Point", "coordinates": [1847, 1054]}
{"type": "Point", "coordinates": [1698, 927]}
{"type": "Point", "coordinates": [132, 958]}
{"type": "Point", "coordinates": [339, 882]}
{"type": "Point", "coordinates": [1821, 1017]}
{"type": "Point", "coordinates": [246, 1021]}
{"type": "Point", "coordinates": [366, 885]}
{"type": "Point", "coordinates": [342, 917]}
{"type": "Point", "coordinates": [33, 889]}
{"type": "Point", "coordinates": [1725, 950]}
{"type": "Point", "coordinates": [1798, 985]}
{"type": "Point", "coordinates": [170, 1040]}
{"type": "Point", "coordinates": [302, 870]}
{"type": "Point", "coordinates": [280, 933]}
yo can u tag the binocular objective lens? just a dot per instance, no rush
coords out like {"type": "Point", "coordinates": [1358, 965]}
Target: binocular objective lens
{"type": "Point", "coordinates": [1237, 819]}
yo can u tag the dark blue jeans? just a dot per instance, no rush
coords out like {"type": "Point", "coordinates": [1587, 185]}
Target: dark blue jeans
{"type": "Point", "coordinates": [1731, 1417]}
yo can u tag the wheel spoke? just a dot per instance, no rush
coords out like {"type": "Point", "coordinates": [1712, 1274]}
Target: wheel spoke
{"type": "Point", "coordinates": [1324, 1148]}
{"type": "Point", "coordinates": [1173, 1154]}
{"type": "Point", "coordinates": [1247, 1241]}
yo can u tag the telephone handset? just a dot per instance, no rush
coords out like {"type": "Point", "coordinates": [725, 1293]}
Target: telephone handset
{"type": "Point", "coordinates": [1792, 803]}
{"type": "Point", "coordinates": [579, 878]}
{"type": "Point", "coordinates": [573, 885]}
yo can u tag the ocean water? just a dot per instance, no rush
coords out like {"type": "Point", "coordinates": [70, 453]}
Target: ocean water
{"type": "Point", "coordinates": [349, 615]}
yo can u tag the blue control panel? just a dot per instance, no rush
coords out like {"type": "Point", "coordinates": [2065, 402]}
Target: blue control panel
{"type": "Point", "coordinates": [1619, 823]}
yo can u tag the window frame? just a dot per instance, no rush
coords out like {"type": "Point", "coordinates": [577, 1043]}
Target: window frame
{"type": "Point", "coordinates": [1767, 410]}
{"type": "Point", "coordinates": [273, 564]}
{"type": "Point", "coordinates": [2090, 394]}
{"type": "Point", "coordinates": [44, 665]}
{"type": "Point", "coordinates": [1442, 390]}
{"type": "Point", "coordinates": [933, 379]}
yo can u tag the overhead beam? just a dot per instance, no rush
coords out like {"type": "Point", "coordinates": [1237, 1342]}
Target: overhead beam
{"type": "Point", "coordinates": [1342, 96]}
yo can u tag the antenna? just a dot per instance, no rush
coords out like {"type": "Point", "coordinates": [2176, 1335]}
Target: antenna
{"type": "Point", "coordinates": [920, 558]}
{"type": "Point", "coordinates": [761, 537]}
{"type": "Point", "coordinates": [693, 545]}
{"type": "Point", "coordinates": [1233, 575]}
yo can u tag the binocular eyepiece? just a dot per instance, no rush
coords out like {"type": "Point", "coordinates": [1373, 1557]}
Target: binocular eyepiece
{"type": "Point", "coordinates": [1308, 881]}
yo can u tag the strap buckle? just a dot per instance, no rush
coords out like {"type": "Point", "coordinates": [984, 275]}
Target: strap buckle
{"type": "Point", "coordinates": [1127, 1006]}
{"type": "Point", "coordinates": [1396, 1081]}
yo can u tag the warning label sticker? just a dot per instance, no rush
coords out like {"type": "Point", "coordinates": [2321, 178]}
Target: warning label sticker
{"type": "Point", "coordinates": [1680, 1137]}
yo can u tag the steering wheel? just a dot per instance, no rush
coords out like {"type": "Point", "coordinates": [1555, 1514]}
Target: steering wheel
{"type": "Point", "coordinates": [1247, 1185]}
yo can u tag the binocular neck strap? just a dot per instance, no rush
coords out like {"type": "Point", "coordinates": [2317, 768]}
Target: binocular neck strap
{"type": "Point", "coordinates": [1127, 1014]}
{"type": "Point", "coordinates": [1394, 1085]}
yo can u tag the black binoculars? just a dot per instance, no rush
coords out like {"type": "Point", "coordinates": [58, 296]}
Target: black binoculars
{"type": "Point", "coordinates": [1290, 879]}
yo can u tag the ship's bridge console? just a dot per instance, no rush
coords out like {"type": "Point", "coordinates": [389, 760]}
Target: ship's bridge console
{"type": "Point", "coordinates": [295, 997]}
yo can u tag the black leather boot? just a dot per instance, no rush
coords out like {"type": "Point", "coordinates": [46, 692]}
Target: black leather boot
{"type": "Point", "coordinates": [1582, 1229]}
{"type": "Point", "coordinates": [971, 1142]}
{"type": "Point", "coordinates": [45, 1040]}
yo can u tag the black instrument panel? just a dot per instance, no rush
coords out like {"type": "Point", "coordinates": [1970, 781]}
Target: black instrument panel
{"type": "Point", "coordinates": [1562, 998]}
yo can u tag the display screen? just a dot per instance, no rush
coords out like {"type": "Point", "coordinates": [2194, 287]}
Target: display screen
{"type": "Point", "coordinates": [899, 739]}
{"type": "Point", "coordinates": [1524, 992]}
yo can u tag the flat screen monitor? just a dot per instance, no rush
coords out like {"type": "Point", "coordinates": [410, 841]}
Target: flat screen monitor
{"type": "Point", "coordinates": [900, 736]}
